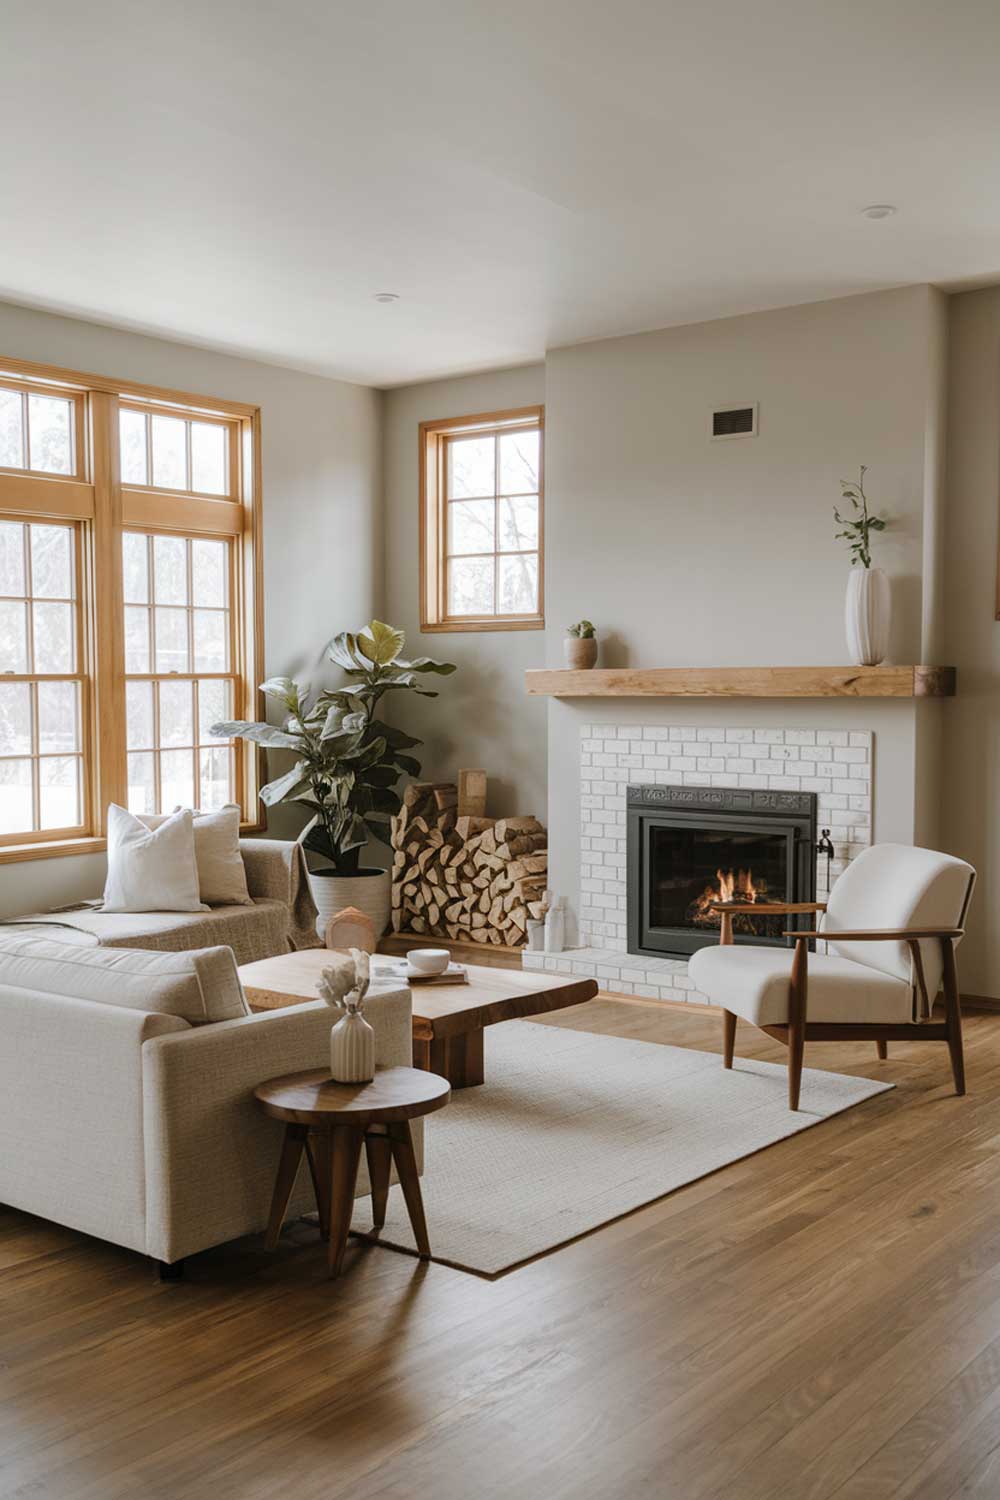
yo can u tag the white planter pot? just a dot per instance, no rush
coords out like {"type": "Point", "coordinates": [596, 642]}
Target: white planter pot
{"type": "Point", "coordinates": [867, 616]}
{"type": "Point", "coordinates": [370, 893]}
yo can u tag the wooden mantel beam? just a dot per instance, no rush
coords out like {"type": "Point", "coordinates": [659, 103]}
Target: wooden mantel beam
{"type": "Point", "coordinates": [744, 682]}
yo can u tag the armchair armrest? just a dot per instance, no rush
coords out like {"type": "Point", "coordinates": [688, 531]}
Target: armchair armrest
{"type": "Point", "coordinates": [769, 908]}
{"type": "Point", "coordinates": [872, 935]}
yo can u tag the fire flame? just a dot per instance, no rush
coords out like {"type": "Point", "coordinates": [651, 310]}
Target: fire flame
{"type": "Point", "coordinates": [733, 885]}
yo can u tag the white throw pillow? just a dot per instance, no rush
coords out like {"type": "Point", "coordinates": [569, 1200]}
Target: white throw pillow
{"type": "Point", "coordinates": [151, 869]}
{"type": "Point", "coordinates": [222, 877]}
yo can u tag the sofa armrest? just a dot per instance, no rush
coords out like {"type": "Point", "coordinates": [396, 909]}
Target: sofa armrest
{"type": "Point", "coordinates": [276, 869]}
{"type": "Point", "coordinates": [211, 1152]}
{"type": "Point", "coordinates": [71, 1110]}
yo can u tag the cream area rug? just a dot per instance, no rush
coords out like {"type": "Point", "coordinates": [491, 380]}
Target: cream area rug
{"type": "Point", "coordinates": [572, 1130]}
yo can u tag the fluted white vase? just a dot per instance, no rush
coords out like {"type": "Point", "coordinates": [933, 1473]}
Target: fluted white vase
{"type": "Point", "coordinates": [867, 616]}
{"type": "Point", "coordinates": [352, 1050]}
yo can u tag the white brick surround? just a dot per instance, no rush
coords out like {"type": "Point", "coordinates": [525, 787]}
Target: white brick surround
{"type": "Point", "coordinates": [836, 764]}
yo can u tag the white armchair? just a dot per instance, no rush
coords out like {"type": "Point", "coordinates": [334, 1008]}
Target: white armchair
{"type": "Point", "coordinates": [891, 926]}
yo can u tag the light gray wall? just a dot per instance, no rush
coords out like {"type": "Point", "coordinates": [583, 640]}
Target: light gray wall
{"type": "Point", "coordinates": [321, 450]}
{"type": "Point", "coordinates": [689, 552]}
{"type": "Point", "coordinates": [695, 552]}
{"type": "Point", "coordinates": [483, 717]}
{"type": "Point", "coordinates": [972, 636]}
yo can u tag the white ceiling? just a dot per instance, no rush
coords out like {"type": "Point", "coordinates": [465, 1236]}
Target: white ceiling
{"type": "Point", "coordinates": [524, 175]}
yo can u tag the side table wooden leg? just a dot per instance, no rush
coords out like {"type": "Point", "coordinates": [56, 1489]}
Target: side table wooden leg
{"type": "Point", "coordinates": [288, 1166]}
{"type": "Point", "coordinates": [409, 1179]}
{"type": "Point", "coordinates": [346, 1154]}
{"type": "Point", "coordinates": [318, 1148]}
{"type": "Point", "coordinates": [379, 1153]}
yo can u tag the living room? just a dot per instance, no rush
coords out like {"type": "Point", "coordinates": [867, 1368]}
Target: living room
{"type": "Point", "coordinates": [434, 1071]}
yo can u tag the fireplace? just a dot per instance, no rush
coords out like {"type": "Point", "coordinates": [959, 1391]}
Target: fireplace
{"type": "Point", "coordinates": [690, 846]}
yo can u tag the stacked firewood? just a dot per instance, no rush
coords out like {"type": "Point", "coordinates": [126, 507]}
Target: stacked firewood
{"type": "Point", "coordinates": [461, 876]}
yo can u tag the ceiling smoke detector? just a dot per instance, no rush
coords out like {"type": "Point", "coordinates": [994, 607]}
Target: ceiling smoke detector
{"type": "Point", "coordinates": [878, 211]}
{"type": "Point", "coordinates": [386, 296]}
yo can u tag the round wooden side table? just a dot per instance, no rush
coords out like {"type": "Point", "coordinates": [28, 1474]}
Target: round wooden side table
{"type": "Point", "coordinates": [331, 1121]}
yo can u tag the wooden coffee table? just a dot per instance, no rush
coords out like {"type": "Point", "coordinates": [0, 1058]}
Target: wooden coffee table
{"type": "Point", "coordinates": [448, 1019]}
{"type": "Point", "coordinates": [331, 1122]}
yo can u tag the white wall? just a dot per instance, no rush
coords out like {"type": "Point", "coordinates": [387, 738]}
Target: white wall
{"type": "Point", "coordinates": [321, 443]}
{"type": "Point", "coordinates": [483, 717]}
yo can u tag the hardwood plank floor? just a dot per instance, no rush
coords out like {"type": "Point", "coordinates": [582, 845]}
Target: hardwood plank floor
{"type": "Point", "coordinates": [820, 1320]}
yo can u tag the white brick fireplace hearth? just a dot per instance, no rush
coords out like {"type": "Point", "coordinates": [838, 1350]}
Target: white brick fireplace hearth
{"type": "Point", "coordinates": [836, 764]}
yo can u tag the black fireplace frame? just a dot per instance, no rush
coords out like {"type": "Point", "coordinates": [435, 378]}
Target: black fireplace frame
{"type": "Point", "coordinates": [736, 809]}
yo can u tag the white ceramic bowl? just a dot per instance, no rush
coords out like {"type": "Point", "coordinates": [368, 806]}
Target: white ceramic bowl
{"type": "Point", "coordinates": [428, 960]}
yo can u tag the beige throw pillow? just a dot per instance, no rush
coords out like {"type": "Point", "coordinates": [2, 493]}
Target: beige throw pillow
{"type": "Point", "coordinates": [151, 869]}
{"type": "Point", "coordinates": [222, 877]}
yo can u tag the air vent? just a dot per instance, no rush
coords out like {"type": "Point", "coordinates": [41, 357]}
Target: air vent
{"type": "Point", "coordinates": [735, 421]}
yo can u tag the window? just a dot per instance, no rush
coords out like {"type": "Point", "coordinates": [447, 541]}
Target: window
{"type": "Point", "coordinates": [129, 604]}
{"type": "Point", "coordinates": [41, 430]}
{"type": "Point", "coordinates": [178, 671]}
{"type": "Point", "coordinates": [165, 451]}
{"type": "Point", "coordinates": [481, 522]}
{"type": "Point", "coordinates": [41, 685]}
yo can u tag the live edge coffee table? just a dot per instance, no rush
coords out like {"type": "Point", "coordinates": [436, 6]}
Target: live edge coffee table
{"type": "Point", "coordinates": [331, 1122]}
{"type": "Point", "coordinates": [448, 1019]}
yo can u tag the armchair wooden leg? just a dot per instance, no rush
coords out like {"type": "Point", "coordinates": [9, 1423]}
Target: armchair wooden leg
{"type": "Point", "coordinates": [728, 1038]}
{"type": "Point", "coordinates": [953, 1017]}
{"type": "Point", "coordinates": [882, 1048]}
{"type": "Point", "coordinates": [797, 1022]}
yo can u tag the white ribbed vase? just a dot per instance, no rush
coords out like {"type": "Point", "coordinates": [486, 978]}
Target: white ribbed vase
{"type": "Point", "coordinates": [371, 894]}
{"type": "Point", "coordinates": [352, 1050]}
{"type": "Point", "coordinates": [867, 616]}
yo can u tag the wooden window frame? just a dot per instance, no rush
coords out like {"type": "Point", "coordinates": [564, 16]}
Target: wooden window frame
{"type": "Point", "coordinates": [79, 675]}
{"type": "Point", "coordinates": [192, 676]}
{"type": "Point", "coordinates": [102, 508]}
{"type": "Point", "coordinates": [433, 438]}
{"type": "Point", "coordinates": [42, 387]}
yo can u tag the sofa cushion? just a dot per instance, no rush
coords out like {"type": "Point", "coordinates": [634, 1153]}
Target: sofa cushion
{"type": "Point", "coordinates": [222, 878]}
{"type": "Point", "coordinates": [199, 986]}
{"type": "Point", "coordinates": [151, 869]}
{"type": "Point", "coordinates": [755, 983]}
{"type": "Point", "coordinates": [260, 930]}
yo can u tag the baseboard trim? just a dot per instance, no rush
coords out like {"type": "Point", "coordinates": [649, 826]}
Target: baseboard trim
{"type": "Point", "coordinates": [969, 1002]}
{"type": "Point", "coordinates": [980, 1002]}
{"type": "Point", "coordinates": [690, 1006]}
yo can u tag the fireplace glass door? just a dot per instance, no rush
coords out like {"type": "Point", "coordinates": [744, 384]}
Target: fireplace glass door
{"type": "Point", "coordinates": [689, 848]}
{"type": "Point", "coordinates": [692, 867]}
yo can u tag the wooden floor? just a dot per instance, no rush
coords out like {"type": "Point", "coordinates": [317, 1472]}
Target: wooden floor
{"type": "Point", "coordinates": [820, 1320]}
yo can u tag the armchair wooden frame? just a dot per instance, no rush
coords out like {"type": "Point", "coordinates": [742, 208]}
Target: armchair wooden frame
{"type": "Point", "coordinates": [799, 1029]}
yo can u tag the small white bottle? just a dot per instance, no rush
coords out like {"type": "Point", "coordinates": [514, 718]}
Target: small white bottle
{"type": "Point", "coordinates": [555, 927]}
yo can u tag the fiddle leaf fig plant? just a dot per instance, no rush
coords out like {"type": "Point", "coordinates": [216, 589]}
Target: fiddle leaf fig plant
{"type": "Point", "coordinates": [348, 760]}
{"type": "Point", "coordinates": [859, 526]}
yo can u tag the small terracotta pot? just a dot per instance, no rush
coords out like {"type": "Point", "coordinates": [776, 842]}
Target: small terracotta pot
{"type": "Point", "coordinates": [581, 651]}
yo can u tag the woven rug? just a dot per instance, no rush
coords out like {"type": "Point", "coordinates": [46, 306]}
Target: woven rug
{"type": "Point", "coordinates": [572, 1130]}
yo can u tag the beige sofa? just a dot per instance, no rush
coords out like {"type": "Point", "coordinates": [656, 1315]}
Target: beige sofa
{"type": "Point", "coordinates": [282, 917]}
{"type": "Point", "coordinates": [126, 1091]}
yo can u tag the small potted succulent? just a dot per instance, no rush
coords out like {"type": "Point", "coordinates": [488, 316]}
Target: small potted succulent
{"type": "Point", "coordinates": [580, 645]}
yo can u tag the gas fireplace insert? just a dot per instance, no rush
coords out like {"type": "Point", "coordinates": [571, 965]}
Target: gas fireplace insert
{"type": "Point", "coordinates": [691, 846]}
